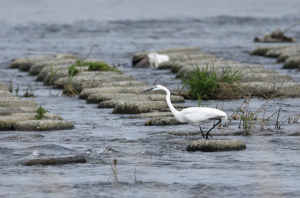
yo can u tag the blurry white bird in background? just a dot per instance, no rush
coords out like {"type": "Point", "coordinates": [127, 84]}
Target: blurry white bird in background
{"type": "Point", "coordinates": [194, 115]}
{"type": "Point", "coordinates": [155, 59]}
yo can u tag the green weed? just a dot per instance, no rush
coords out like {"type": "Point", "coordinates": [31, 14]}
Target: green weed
{"type": "Point", "coordinates": [40, 113]}
{"type": "Point", "coordinates": [206, 82]}
{"type": "Point", "coordinates": [73, 70]}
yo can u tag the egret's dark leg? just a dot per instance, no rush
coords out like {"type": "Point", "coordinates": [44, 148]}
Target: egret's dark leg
{"type": "Point", "coordinates": [212, 128]}
{"type": "Point", "coordinates": [202, 132]}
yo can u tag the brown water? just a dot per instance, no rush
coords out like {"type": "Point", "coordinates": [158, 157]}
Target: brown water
{"type": "Point", "coordinates": [269, 167]}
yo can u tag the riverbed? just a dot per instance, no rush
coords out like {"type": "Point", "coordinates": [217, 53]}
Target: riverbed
{"type": "Point", "coordinates": [150, 161]}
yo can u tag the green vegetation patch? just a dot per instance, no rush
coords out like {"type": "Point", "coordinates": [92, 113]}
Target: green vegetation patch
{"type": "Point", "coordinates": [93, 66]}
{"type": "Point", "coordinates": [207, 83]}
{"type": "Point", "coordinates": [40, 113]}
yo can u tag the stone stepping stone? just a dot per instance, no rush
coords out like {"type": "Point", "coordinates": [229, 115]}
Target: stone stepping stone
{"type": "Point", "coordinates": [216, 145]}
{"type": "Point", "coordinates": [292, 62]}
{"type": "Point", "coordinates": [47, 116]}
{"type": "Point", "coordinates": [56, 161]}
{"type": "Point", "coordinates": [43, 125]}
{"type": "Point", "coordinates": [97, 98]}
{"type": "Point", "coordinates": [151, 115]}
{"type": "Point", "coordinates": [4, 94]}
{"type": "Point", "coordinates": [7, 123]}
{"type": "Point", "coordinates": [17, 62]}
{"type": "Point", "coordinates": [134, 107]}
{"type": "Point", "coordinates": [100, 97]}
{"type": "Point", "coordinates": [37, 67]}
{"type": "Point", "coordinates": [60, 74]}
{"type": "Point", "coordinates": [113, 90]}
{"type": "Point", "coordinates": [163, 121]}
{"type": "Point", "coordinates": [11, 110]}
{"type": "Point", "coordinates": [3, 87]}
{"type": "Point", "coordinates": [291, 89]}
{"type": "Point", "coordinates": [81, 82]}
{"type": "Point", "coordinates": [262, 51]}
{"type": "Point", "coordinates": [266, 77]}
{"type": "Point", "coordinates": [18, 103]}
{"type": "Point", "coordinates": [59, 68]}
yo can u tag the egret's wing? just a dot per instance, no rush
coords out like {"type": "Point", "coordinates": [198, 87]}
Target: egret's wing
{"type": "Point", "coordinates": [195, 117]}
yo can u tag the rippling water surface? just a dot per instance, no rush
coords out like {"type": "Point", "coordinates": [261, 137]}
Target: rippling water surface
{"type": "Point", "coordinates": [151, 163]}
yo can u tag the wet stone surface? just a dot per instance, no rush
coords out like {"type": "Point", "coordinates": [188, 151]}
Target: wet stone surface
{"type": "Point", "coordinates": [289, 54]}
{"type": "Point", "coordinates": [162, 121]}
{"type": "Point", "coordinates": [17, 114]}
{"type": "Point", "coordinates": [134, 107]}
{"type": "Point", "coordinates": [43, 125]}
{"type": "Point", "coordinates": [56, 161]}
{"type": "Point", "coordinates": [216, 145]}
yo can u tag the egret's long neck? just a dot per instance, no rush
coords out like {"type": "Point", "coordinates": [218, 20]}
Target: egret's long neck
{"type": "Point", "coordinates": [168, 99]}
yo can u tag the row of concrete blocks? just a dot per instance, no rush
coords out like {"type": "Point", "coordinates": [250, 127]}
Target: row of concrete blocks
{"type": "Point", "coordinates": [120, 92]}
{"type": "Point", "coordinates": [289, 54]}
{"type": "Point", "coordinates": [17, 114]}
{"type": "Point", "coordinates": [255, 78]}
{"type": "Point", "coordinates": [109, 89]}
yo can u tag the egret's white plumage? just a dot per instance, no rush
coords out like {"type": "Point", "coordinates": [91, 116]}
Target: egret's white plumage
{"type": "Point", "coordinates": [194, 115]}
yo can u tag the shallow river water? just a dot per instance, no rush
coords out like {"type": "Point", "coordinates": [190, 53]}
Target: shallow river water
{"type": "Point", "coordinates": [151, 162]}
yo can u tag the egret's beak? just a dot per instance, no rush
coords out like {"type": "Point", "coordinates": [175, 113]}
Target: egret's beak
{"type": "Point", "coordinates": [147, 90]}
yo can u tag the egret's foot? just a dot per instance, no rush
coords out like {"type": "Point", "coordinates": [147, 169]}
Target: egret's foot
{"type": "Point", "coordinates": [202, 132]}
{"type": "Point", "coordinates": [207, 137]}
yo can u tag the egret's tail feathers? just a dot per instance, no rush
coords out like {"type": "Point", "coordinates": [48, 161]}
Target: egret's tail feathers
{"type": "Point", "coordinates": [225, 118]}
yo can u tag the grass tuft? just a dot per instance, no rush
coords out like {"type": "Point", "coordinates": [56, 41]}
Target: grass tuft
{"type": "Point", "coordinates": [93, 66]}
{"type": "Point", "coordinates": [206, 82]}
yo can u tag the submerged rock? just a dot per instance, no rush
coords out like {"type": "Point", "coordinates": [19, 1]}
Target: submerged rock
{"type": "Point", "coordinates": [56, 161]}
{"type": "Point", "coordinates": [43, 125]}
{"type": "Point", "coordinates": [216, 145]}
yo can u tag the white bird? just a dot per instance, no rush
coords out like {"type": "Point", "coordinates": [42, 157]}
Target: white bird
{"type": "Point", "coordinates": [193, 115]}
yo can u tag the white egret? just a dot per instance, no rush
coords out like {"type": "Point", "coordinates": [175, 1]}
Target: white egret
{"type": "Point", "coordinates": [194, 115]}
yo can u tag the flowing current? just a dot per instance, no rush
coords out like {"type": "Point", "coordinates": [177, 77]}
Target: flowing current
{"type": "Point", "coordinates": [151, 162]}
